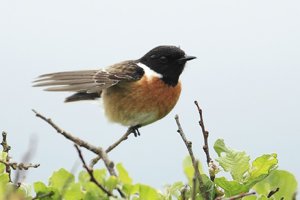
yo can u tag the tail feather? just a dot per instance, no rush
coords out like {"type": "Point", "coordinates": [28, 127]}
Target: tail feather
{"type": "Point", "coordinates": [82, 96]}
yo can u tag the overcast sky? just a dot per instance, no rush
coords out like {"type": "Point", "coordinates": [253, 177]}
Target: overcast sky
{"type": "Point", "coordinates": [246, 78]}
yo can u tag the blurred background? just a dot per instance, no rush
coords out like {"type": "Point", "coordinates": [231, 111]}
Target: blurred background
{"type": "Point", "coordinates": [246, 79]}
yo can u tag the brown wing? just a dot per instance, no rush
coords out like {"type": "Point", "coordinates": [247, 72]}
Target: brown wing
{"type": "Point", "coordinates": [90, 81]}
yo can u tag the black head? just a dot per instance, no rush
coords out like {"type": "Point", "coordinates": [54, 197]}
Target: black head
{"type": "Point", "coordinates": [169, 61]}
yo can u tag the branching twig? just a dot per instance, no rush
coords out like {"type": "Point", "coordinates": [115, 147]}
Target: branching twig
{"type": "Point", "coordinates": [111, 147]}
{"type": "Point", "coordinates": [205, 146]}
{"type": "Point", "coordinates": [19, 166]}
{"type": "Point", "coordinates": [237, 196]}
{"type": "Point", "coordinates": [188, 145]}
{"type": "Point", "coordinates": [97, 150]}
{"type": "Point", "coordinates": [90, 172]}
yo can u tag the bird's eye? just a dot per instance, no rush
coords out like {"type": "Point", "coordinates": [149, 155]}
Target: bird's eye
{"type": "Point", "coordinates": [153, 56]}
{"type": "Point", "coordinates": [163, 59]}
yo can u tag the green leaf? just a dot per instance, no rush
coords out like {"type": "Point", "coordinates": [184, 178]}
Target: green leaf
{"type": "Point", "coordinates": [83, 177]}
{"type": "Point", "coordinates": [174, 190]}
{"type": "Point", "coordinates": [231, 188]}
{"type": "Point", "coordinates": [130, 189]}
{"type": "Point", "coordinates": [93, 191]}
{"type": "Point", "coordinates": [41, 189]}
{"type": "Point", "coordinates": [284, 180]}
{"type": "Point", "coordinates": [235, 162]}
{"type": "Point", "coordinates": [4, 179]}
{"type": "Point", "coordinates": [209, 186]}
{"type": "Point", "coordinates": [123, 174]}
{"type": "Point", "coordinates": [111, 183]}
{"type": "Point", "coordinates": [148, 193]}
{"type": "Point", "coordinates": [220, 147]}
{"type": "Point", "coordinates": [61, 179]}
{"type": "Point", "coordinates": [73, 192]}
{"type": "Point", "coordinates": [261, 168]}
{"type": "Point", "coordinates": [100, 175]}
{"type": "Point", "coordinates": [3, 156]}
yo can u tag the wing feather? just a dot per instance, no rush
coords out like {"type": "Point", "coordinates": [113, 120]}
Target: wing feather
{"type": "Point", "coordinates": [89, 81]}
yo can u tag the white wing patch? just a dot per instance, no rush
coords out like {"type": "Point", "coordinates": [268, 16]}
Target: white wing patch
{"type": "Point", "coordinates": [149, 73]}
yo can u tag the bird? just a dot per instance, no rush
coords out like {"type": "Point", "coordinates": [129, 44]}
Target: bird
{"type": "Point", "coordinates": [134, 93]}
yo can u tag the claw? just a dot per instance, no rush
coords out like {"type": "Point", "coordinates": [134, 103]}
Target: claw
{"type": "Point", "coordinates": [135, 130]}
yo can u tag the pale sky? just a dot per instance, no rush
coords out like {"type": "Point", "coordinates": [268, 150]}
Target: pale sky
{"type": "Point", "coordinates": [246, 78]}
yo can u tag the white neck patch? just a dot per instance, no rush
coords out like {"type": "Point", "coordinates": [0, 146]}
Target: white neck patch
{"type": "Point", "coordinates": [149, 73]}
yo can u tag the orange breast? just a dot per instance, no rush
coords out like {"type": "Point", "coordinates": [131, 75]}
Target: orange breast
{"type": "Point", "coordinates": [141, 102]}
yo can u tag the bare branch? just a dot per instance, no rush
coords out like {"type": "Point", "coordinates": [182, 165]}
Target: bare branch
{"type": "Point", "coordinates": [205, 133]}
{"type": "Point", "coordinates": [188, 145]}
{"type": "Point", "coordinates": [97, 150]}
{"type": "Point", "coordinates": [19, 166]}
{"type": "Point", "coordinates": [112, 146]}
{"type": "Point", "coordinates": [90, 172]}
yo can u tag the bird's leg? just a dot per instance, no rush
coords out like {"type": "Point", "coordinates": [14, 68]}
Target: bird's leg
{"type": "Point", "coordinates": [135, 130]}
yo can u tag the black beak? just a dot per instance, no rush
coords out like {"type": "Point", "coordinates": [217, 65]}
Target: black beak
{"type": "Point", "coordinates": [186, 58]}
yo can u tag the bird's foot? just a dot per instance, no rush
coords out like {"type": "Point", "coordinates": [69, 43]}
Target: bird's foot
{"type": "Point", "coordinates": [135, 130]}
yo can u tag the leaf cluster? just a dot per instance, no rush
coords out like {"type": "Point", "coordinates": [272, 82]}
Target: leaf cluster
{"type": "Point", "coordinates": [236, 175]}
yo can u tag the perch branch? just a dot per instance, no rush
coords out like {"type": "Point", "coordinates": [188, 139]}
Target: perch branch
{"type": "Point", "coordinates": [97, 150]}
{"type": "Point", "coordinates": [112, 146]}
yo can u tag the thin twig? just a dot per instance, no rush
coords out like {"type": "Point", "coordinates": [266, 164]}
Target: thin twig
{"type": "Point", "coordinates": [19, 166]}
{"type": "Point", "coordinates": [90, 172]}
{"type": "Point", "coordinates": [237, 196]}
{"type": "Point", "coordinates": [112, 146]}
{"type": "Point", "coordinates": [6, 149]}
{"type": "Point", "coordinates": [188, 145]}
{"type": "Point", "coordinates": [97, 150]}
{"type": "Point", "coordinates": [205, 134]}
{"type": "Point", "coordinates": [205, 146]}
